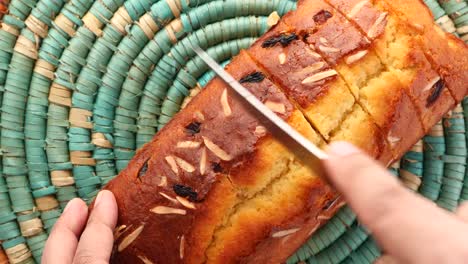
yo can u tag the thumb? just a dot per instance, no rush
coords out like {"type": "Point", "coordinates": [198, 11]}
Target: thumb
{"type": "Point", "coordinates": [366, 185]}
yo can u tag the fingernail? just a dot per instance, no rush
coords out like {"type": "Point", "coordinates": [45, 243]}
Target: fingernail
{"type": "Point", "coordinates": [69, 205]}
{"type": "Point", "coordinates": [342, 149]}
{"type": "Point", "coordinates": [98, 198]}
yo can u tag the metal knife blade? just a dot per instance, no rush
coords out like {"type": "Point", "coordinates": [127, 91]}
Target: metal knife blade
{"type": "Point", "coordinates": [259, 106]}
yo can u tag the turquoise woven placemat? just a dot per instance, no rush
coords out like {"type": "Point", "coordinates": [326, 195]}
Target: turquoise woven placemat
{"type": "Point", "coordinates": [84, 83]}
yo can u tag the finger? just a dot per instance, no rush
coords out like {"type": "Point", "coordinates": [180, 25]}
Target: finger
{"type": "Point", "coordinates": [462, 212]}
{"type": "Point", "coordinates": [63, 240]}
{"type": "Point", "coordinates": [97, 239]}
{"type": "Point", "coordinates": [405, 225]}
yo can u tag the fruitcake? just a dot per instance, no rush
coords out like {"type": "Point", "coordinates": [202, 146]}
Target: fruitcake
{"type": "Point", "coordinates": [221, 163]}
{"type": "Point", "coordinates": [218, 185]}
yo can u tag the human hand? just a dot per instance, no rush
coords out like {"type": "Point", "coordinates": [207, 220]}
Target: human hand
{"type": "Point", "coordinates": [77, 239]}
{"type": "Point", "coordinates": [408, 227]}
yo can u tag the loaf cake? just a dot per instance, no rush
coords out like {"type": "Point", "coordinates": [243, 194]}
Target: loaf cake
{"type": "Point", "coordinates": [216, 186]}
{"type": "Point", "coordinates": [3, 8]}
{"type": "Point", "coordinates": [3, 257]}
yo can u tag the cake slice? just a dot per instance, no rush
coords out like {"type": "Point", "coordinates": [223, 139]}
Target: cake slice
{"type": "Point", "coordinates": [402, 51]}
{"type": "Point", "coordinates": [363, 14]}
{"type": "Point", "coordinates": [389, 91]}
{"type": "Point", "coordinates": [375, 87]}
{"type": "Point", "coordinates": [325, 43]}
{"type": "Point", "coordinates": [305, 77]}
{"type": "Point", "coordinates": [447, 54]}
{"type": "Point", "coordinates": [393, 111]}
{"type": "Point", "coordinates": [406, 59]}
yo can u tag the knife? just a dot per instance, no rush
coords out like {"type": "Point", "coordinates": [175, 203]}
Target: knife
{"type": "Point", "coordinates": [275, 120]}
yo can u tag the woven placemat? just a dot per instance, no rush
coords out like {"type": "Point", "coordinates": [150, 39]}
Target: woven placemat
{"type": "Point", "coordinates": [84, 83]}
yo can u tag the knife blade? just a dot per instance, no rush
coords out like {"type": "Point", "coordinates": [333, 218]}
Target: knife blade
{"type": "Point", "coordinates": [259, 106]}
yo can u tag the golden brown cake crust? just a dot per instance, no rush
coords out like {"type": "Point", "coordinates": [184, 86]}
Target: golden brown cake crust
{"type": "Point", "coordinates": [431, 87]}
{"type": "Point", "coordinates": [214, 186]}
{"type": "Point", "coordinates": [3, 257]}
{"type": "Point", "coordinates": [363, 14]}
{"type": "Point", "coordinates": [291, 65]}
